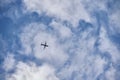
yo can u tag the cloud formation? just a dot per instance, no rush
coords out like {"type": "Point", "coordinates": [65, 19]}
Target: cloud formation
{"type": "Point", "coordinates": [32, 72]}
{"type": "Point", "coordinates": [9, 62]}
{"type": "Point", "coordinates": [78, 34]}
{"type": "Point", "coordinates": [65, 10]}
{"type": "Point", "coordinates": [36, 34]}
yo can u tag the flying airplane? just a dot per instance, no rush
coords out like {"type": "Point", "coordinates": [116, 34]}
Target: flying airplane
{"type": "Point", "coordinates": [45, 45]}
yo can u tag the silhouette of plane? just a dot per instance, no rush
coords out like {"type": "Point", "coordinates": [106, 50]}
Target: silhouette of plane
{"type": "Point", "coordinates": [45, 45]}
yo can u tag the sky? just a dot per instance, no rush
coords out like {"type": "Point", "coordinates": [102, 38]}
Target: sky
{"type": "Point", "coordinates": [83, 38]}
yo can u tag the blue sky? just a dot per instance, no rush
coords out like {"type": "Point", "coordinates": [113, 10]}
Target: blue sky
{"type": "Point", "coordinates": [83, 38]}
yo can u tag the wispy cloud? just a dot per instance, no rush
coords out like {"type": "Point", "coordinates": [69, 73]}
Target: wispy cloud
{"type": "Point", "coordinates": [32, 72]}
{"type": "Point", "coordinates": [61, 29]}
{"type": "Point", "coordinates": [69, 10]}
{"type": "Point", "coordinates": [107, 46]}
{"type": "Point", "coordinates": [9, 62]}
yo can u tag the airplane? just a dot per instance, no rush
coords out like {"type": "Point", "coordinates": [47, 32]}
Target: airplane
{"type": "Point", "coordinates": [45, 45]}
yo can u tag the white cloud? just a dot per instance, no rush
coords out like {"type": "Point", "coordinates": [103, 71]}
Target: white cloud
{"type": "Point", "coordinates": [99, 64]}
{"type": "Point", "coordinates": [82, 60]}
{"type": "Point", "coordinates": [9, 62]}
{"type": "Point", "coordinates": [32, 37]}
{"type": "Point", "coordinates": [107, 46]}
{"type": "Point", "coordinates": [28, 34]}
{"type": "Point", "coordinates": [110, 74]}
{"type": "Point", "coordinates": [32, 72]}
{"type": "Point", "coordinates": [36, 33]}
{"type": "Point", "coordinates": [70, 10]}
{"type": "Point", "coordinates": [62, 30]}
{"type": "Point", "coordinates": [93, 5]}
{"type": "Point", "coordinates": [78, 48]}
{"type": "Point", "coordinates": [115, 21]}
{"type": "Point", "coordinates": [53, 53]}
{"type": "Point", "coordinates": [89, 66]}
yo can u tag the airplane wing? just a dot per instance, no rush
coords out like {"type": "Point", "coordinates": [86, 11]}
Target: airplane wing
{"type": "Point", "coordinates": [42, 44]}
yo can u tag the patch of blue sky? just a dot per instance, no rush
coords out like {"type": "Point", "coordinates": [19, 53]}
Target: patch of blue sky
{"type": "Point", "coordinates": [2, 74]}
{"type": "Point", "coordinates": [10, 4]}
{"type": "Point", "coordinates": [3, 50]}
{"type": "Point", "coordinates": [115, 38]}
{"type": "Point", "coordinates": [101, 20]}
{"type": "Point", "coordinates": [9, 24]}
{"type": "Point", "coordinates": [113, 5]}
{"type": "Point", "coordinates": [34, 17]}
{"type": "Point", "coordinates": [83, 25]}
{"type": "Point", "coordinates": [6, 24]}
